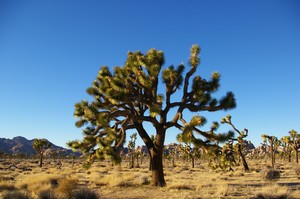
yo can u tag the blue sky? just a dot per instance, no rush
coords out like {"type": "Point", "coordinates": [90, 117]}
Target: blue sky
{"type": "Point", "coordinates": [51, 51]}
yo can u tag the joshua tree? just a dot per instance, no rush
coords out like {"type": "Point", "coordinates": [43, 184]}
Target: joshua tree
{"type": "Point", "coordinates": [172, 152]}
{"type": "Point", "coordinates": [295, 142]}
{"type": "Point", "coordinates": [2, 155]}
{"type": "Point", "coordinates": [274, 143]}
{"type": "Point", "coordinates": [226, 158]}
{"type": "Point", "coordinates": [285, 142]}
{"type": "Point", "coordinates": [187, 150]}
{"type": "Point", "coordinates": [40, 146]}
{"type": "Point", "coordinates": [239, 139]}
{"type": "Point", "coordinates": [131, 149]}
{"type": "Point", "coordinates": [128, 98]}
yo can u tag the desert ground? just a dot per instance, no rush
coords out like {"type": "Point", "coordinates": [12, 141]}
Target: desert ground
{"type": "Point", "coordinates": [23, 178]}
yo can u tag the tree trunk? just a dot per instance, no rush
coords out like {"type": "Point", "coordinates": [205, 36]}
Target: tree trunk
{"type": "Point", "coordinates": [73, 160]}
{"type": "Point", "coordinates": [193, 162]}
{"type": "Point", "coordinates": [158, 178]}
{"type": "Point", "coordinates": [150, 163]}
{"type": "Point", "coordinates": [243, 158]}
{"type": "Point", "coordinates": [157, 169]}
{"type": "Point", "coordinates": [41, 160]}
{"type": "Point", "coordinates": [296, 152]}
{"type": "Point", "coordinates": [155, 153]}
{"type": "Point", "coordinates": [132, 160]}
{"type": "Point", "coordinates": [272, 154]}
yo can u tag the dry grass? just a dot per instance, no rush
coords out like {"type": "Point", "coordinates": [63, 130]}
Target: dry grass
{"type": "Point", "coordinates": [85, 193]}
{"type": "Point", "coordinates": [4, 185]}
{"type": "Point", "coordinates": [297, 170]}
{"type": "Point", "coordinates": [66, 187]}
{"type": "Point", "coordinates": [273, 192]}
{"type": "Point", "coordinates": [105, 181]}
{"type": "Point", "coordinates": [15, 195]}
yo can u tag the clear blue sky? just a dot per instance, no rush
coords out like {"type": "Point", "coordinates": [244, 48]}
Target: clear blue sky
{"type": "Point", "coordinates": [51, 51]}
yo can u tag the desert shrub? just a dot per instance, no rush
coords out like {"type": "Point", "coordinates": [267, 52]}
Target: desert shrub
{"type": "Point", "coordinates": [140, 179]}
{"type": "Point", "coordinates": [85, 194]}
{"type": "Point", "coordinates": [46, 194]}
{"type": "Point", "coordinates": [270, 174]}
{"type": "Point", "coordinates": [15, 194]}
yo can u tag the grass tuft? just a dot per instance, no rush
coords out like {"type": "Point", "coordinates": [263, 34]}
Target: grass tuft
{"type": "Point", "coordinates": [15, 195]}
{"type": "Point", "coordinates": [181, 186]}
{"type": "Point", "coordinates": [66, 186]}
{"type": "Point", "coordinates": [85, 194]}
{"type": "Point", "coordinates": [6, 186]}
{"type": "Point", "coordinates": [273, 192]}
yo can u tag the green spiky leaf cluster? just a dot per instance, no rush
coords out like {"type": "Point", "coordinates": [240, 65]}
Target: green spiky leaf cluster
{"type": "Point", "coordinates": [41, 145]}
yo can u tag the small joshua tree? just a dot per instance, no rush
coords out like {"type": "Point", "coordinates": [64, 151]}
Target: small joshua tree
{"type": "Point", "coordinates": [131, 149]}
{"type": "Point", "coordinates": [295, 142]}
{"type": "Point", "coordinates": [40, 146]}
{"type": "Point", "coordinates": [274, 143]}
{"type": "Point", "coordinates": [285, 142]}
{"type": "Point", "coordinates": [188, 150]}
{"type": "Point", "coordinates": [239, 139]}
{"type": "Point", "coordinates": [227, 159]}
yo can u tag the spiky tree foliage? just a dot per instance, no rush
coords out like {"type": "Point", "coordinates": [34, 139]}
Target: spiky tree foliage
{"type": "Point", "coordinates": [273, 143]}
{"type": "Point", "coordinates": [285, 143]}
{"type": "Point", "coordinates": [295, 142]}
{"type": "Point", "coordinates": [240, 139]}
{"type": "Point", "coordinates": [128, 97]}
{"type": "Point", "coordinates": [226, 159]}
{"type": "Point", "coordinates": [40, 146]}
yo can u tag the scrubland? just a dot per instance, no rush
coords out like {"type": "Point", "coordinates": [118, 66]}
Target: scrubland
{"type": "Point", "coordinates": [24, 179]}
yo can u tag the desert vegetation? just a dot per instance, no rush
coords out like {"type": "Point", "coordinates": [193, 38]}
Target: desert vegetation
{"type": "Point", "coordinates": [103, 180]}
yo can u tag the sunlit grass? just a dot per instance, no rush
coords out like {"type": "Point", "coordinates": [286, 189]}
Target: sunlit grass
{"type": "Point", "coordinates": [108, 181]}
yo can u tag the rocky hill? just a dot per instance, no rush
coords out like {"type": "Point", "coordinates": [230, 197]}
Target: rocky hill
{"type": "Point", "coordinates": [20, 145]}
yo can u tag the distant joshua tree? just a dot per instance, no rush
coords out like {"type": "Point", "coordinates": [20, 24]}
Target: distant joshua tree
{"type": "Point", "coordinates": [40, 146]}
{"type": "Point", "coordinates": [285, 142]}
{"type": "Point", "coordinates": [131, 149]}
{"type": "Point", "coordinates": [239, 139]}
{"type": "Point", "coordinates": [274, 143]}
{"type": "Point", "coordinates": [187, 150]}
{"type": "Point", "coordinates": [295, 142]}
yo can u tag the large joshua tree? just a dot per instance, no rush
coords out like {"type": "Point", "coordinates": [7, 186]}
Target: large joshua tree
{"type": "Point", "coordinates": [128, 98]}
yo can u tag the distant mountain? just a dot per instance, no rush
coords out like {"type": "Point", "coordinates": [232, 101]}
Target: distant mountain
{"type": "Point", "coordinates": [20, 145]}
